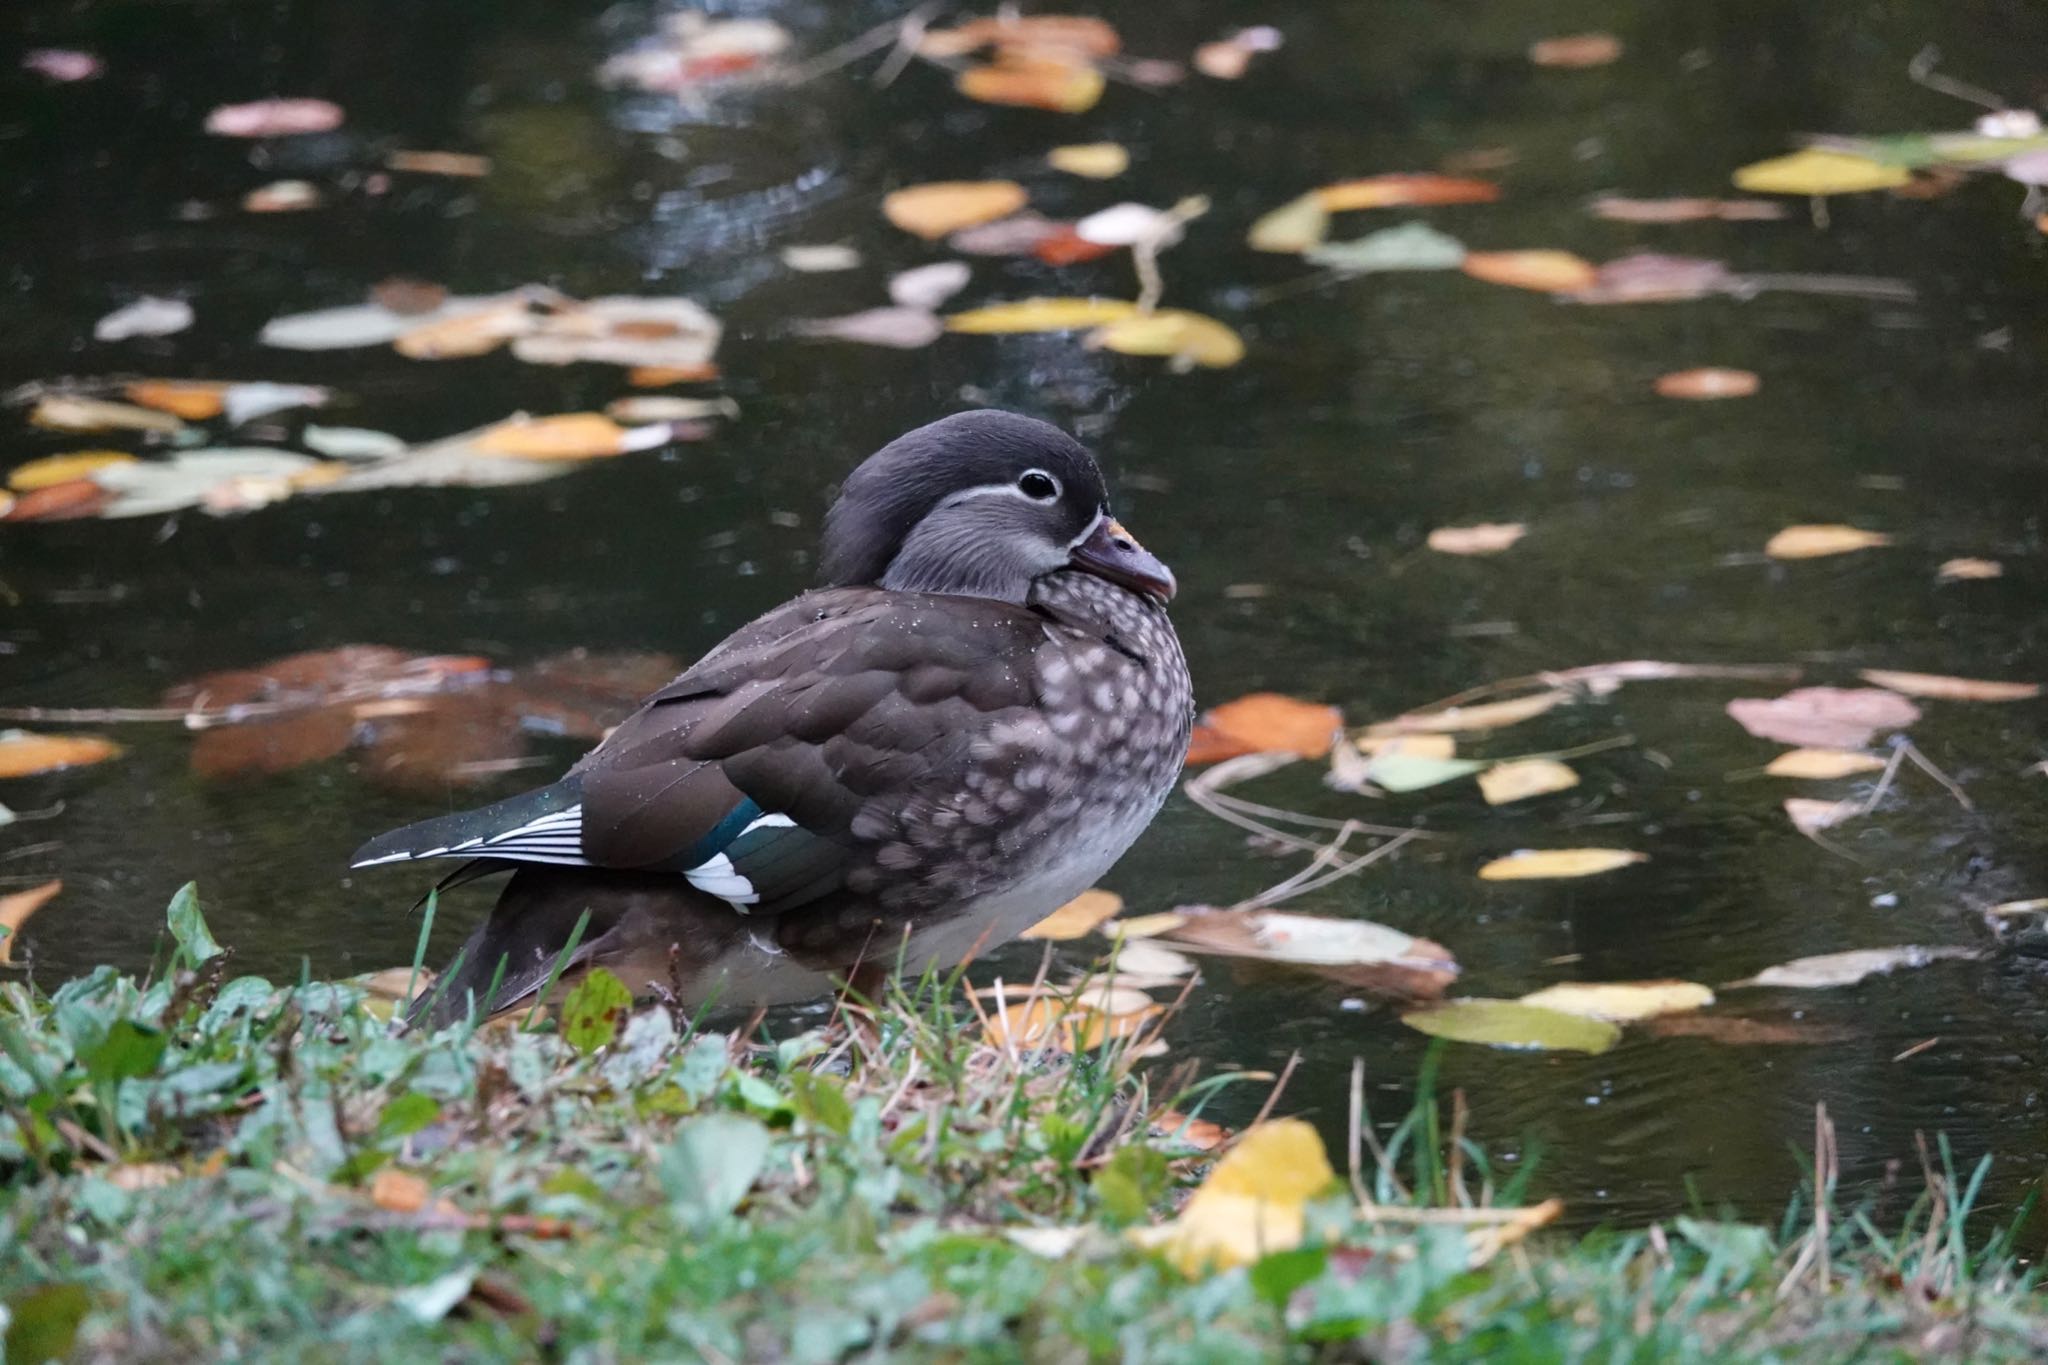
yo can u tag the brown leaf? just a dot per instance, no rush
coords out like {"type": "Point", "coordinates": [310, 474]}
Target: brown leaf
{"type": "Point", "coordinates": [1360, 954]}
{"type": "Point", "coordinates": [1814, 542]}
{"type": "Point", "coordinates": [1200, 1134]}
{"type": "Point", "coordinates": [66, 501]}
{"type": "Point", "coordinates": [1743, 1030]}
{"type": "Point", "coordinates": [661, 376]}
{"type": "Point", "coordinates": [457, 739]}
{"type": "Point", "coordinates": [1224, 61]}
{"type": "Point", "coordinates": [275, 745]}
{"type": "Point", "coordinates": [461, 164]}
{"type": "Point", "coordinates": [1622, 210]}
{"type": "Point", "coordinates": [1576, 50]}
{"type": "Point", "coordinates": [1825, 717]}
{"type": "Point", "coordinates": [1072, 35]}
{"type": "Point", "coordinates": [1549, 272]}
{"type": "Point", "coordinates": [24, 755]}
{"type": "Point", "coordinates": [566, 436]}
{"type": "Point", "coordinates": [1392, 191]}
{"type": "Point", "coordinates": [1064, 87]}
{"type": "Point", "coordinates": [316, 677]}
{"type": "Point", "coordinates": [397, 1191]}
{"type": "Point", "coordinates": [15, 908]}
{"type": "Point", "coordinates": [1941, 687]}
{"type": "Point", "coordinates": [1268, 721]}
{"type": "Point", "coordinates": [193, 400]}
{"type": "Point", "coordinates": [1487, 538]}
{"type": "Point", "coordinates": [1708, 383]}
{"type": "Point", "coordinates": [931, 211]}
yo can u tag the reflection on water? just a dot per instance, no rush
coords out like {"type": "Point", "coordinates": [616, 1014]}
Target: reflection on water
{"type": "Point", "coordinates": [1366, 413]}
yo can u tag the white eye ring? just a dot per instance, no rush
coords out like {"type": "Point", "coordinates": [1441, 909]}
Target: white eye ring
{"type": "Point", "coordinates": [1038, 485]}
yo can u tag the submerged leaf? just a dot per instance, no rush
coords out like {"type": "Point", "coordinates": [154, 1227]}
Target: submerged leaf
{"type": "Point", "coordinates": [1622, 1002]}
{"type": "Point", "coordinates": [1513, 1024]}
{"type": "Point", "coordinates": [1941, 687]}
{"type": "Point", "coordinates": [1814, 542]}
{"type": "Point", "coordinates": [1847, 968]}
{"type": "Point", "coordinates": [820, 259]}
{"type": "Point", "coordinates": [903, 329]}
{"type": "Point", "coordinates": [931, 211]}
{"type": "Point", "coordinates": [274, 118]}
{"type": "Point", "coordinates": [1528, 863]}
{"type": "Point", "coordinates": [1810, 817]}
{"type": "Point", "coordinates": [1964, 570]}
{"type": "Point", "coordinates": [1576, 50]}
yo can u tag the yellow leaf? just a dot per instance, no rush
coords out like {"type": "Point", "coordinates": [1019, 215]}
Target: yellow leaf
{"type": "Point", "coordinates": [1816, 171]}
{"type": "Point", "coordinates": [1944, 688]}
{"type": "Point", "coordinates": [1189, 338]}
{"type": "Point", "coordinates": [1281, 1160]}
{"type": "Point", "coordinates": [1823, 764]}
{"type": "Point", "coordinates": [1064, 87]}
{"type": "Point", "coordinates": [1392, 191]}
{"type": "Point", "coordinates": [23, 754]}
{"type": "Point", "coordinates": [1092, 160]}
{"type": "Point", "coordinates": [1410, 746]}
{"type": "Point", "coordinates": [1041, 315]}
{"type": "Point", "coordinates": [1487, 538]}
{"type": "Point", "coordinates": [931, 211]}
{"type": "Point", "coordinates": [63, 468]}
{"type": "Point", "coordinates": [1528, 863]}
{"type": "Point", "coordinates": [1524, 778]}
{"type": "Point", "coordinates": [1490, 715]}
{"type": "Point", "coordinates": [1549, 272]}
{"type": "Point", "coordinates": [1959, 570]}
{"type": "Point", "coordinates": [1621, 1002]}
{"type": "Point", "coordinates": [15, 909]}
{"type": "Point", "coordinates": [1812, 542]}
{"type": "Point", "coordinates": [1252, 1203]}
{"type": "Point", "coordinates": [1078, 916]}
{"type": "Point", "coordinates": [1294, 227]}
{"type": "Point", "coordinates": [569, 436]}
{"type": "Point", "coordinates": [1150, 926]}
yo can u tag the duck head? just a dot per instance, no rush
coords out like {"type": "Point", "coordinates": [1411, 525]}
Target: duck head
{"type": "Point", "coordinates": [980, 504]}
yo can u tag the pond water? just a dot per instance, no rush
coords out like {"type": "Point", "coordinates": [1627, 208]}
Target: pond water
{"type": "Point", "coordinates": [1366, 412]}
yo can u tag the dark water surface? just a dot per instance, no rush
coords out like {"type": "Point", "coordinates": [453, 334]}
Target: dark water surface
{"type": "Point", "coordinates": [1366, 413]}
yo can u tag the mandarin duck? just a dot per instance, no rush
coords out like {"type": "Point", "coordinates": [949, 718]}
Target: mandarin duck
{"type": "Point", "coordinates": [974, 716]}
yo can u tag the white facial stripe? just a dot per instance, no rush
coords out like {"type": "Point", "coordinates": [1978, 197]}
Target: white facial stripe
{"type": "Point", "coordinates": [1089, 530]}
{"type": "Point", "coordinates": [990, 490]}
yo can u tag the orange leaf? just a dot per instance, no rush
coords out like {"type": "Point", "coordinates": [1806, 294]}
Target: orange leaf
{"type": "Point", "coordinates": [1064, 246]}
{"type": "Point", "coordinates": [1388, 191]}
{"type": "Point", "coordinates": [1576, 50]}
{"type": "Point", "coordinates": [1549, 272]}
{"type": "Point", "coordinates": [661, 376]}
{"type": "Point", "coordinates": [398, 1191]}
{"type": "Point", "coordinates": [1032, 83]}
{"type": "Point", "coordinates": [193, 400]}
{"type": "Point", "coordinates": [569, 436]}
{"type": "Point", "coordinates": [23, 754]}
{"type": "Point", "coordinates": [931, 211]}
{"type": "Point", "coordinates": [64, 501]}
{"type": "Point", "coordinates": [1708, 383]}
{"type": "Point", "coordinates": [15, 910]}
{"type": "Point", "coordinates": [1268, 721]}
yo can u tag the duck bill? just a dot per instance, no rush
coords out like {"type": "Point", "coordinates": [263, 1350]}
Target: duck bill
{"type": "Point", "coordinates": [1112, 553]}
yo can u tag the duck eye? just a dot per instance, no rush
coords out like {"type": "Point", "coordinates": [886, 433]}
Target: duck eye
{"type": "Point", "coordinates": [1038, 485]}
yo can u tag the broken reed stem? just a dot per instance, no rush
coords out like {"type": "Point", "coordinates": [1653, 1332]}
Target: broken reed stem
{"type": "Point", "coordinates": [1279, 1084]}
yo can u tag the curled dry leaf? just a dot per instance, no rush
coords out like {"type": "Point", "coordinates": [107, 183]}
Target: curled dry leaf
{"type": "Point", "coordinates": [1297, 226]}
{"type": "Point", "coordinates": [1941, 687]}
{"type": "Point", "coordinates": [1487, 538]}
{"type": "Point", "coordinates": [1392, 191]}
{"type": "Point", "coordinates": [15, 908]}
{"type": "Point", "coordinates": [1532, 863]}
{"type": "Point", "coordinates": [1492, 715]}
{"type": "Point", "coordinates": [1622, 1002]}
{"type": "Point", "coordinates": [1200, 1134]}
{"type": "Point", "coordinates": [1708, 383]}
{"type": "Point", "coordinates": [1810, 817]}
{"type": "Point", "coordinates": [1823, 764]}
{"type": "Point", "coordinates": [274, 118]}
{"type": "Point", "coordinates": [1525, 778]}
{"type": "Point", "coordinates": [1252, 1204]}
{"type": "Point", "coordinates": [1814, 542]}
{"type": "Point", "coordinates": [1091, 160]}
{"type": "Point", "coordinates": [1359, 953]}
{"type": "Point", "coordinates": [1964, 570]}
{"type": "Point", "coordinates": [1040, 315]}
{"type": "Point", "coordinates": [146, 317]}
{"type": "Point", "coordinates": [1576, 50]}
{"type": "Point", "coordinates": [931, 211]}
{"type": "Point", "coordinates": [1270, 722]}
{"type": "Point", "coordinates": [1513, 1024]}
{"type": "Point", "coordinates": [1846, 969]}
{"type": "Point", "coordinates": [1819, 171]}
{"type": "Point", "coordinates": [23, 754]}
{"type": "Point", "coordinates": [1825, 717]}
{"type": "Point", "coordinates": [1548, 272]}
{"type": "Point", "coordinates": [1185, 339]}
{"type": "Point", "coordinates": [1078, 917]}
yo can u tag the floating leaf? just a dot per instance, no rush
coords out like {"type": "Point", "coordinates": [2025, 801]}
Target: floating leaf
{"type": "Point", "coordinates": [904, 329]}
{"type": "Point", "coordinates": [1826, 717]}
{"type": "Point", "coordinates": [1622, 1002]}
{"type": "Point", "coordinates": [63, 65]}
{"type": "Point", "coordinates": [1513, 1024]}
{"type": "Point", "coordinates": [1964, 570]}
{"type": "Point", "coordinates": [146, 317]}
{"type": "Point", "coordinates": [23, 754]}
{"type": "Point", "coordinates": [1492, 715]}
{"type": "Point", "coordinates": [1524, 778]}
{"type": "Point", "coordinates": [1358, 952]}
{"type": "Point", "coordinates": [1091, 160]}
{"type": "Point", "coordinates": [1222, 61]}
{"type": "Point", "coordinates": [353, 443]}
{"type": "Point", "coordinates": [66, 501]}
{"type": "Point", "coordinates": [282, 196]}
{"type": "Point", "coordinates": [1186, 339]}
{"type": "Point", "coordinates": [928, 286]}
{"type": "Point", "coordinates": [567, 436]}
{"type": "Point", "coordinates": [1395, 769]}
{"type": "Point", "coordinates": [1847, 968]}
{"type": "Point", "coordinates": [461, 165]}
{"type": "Point", "coordinates": [1813, 542]}
{"type": "Point", "coordinates": [1411, 246]}
{"type": "Point", "coordinates": [820, 259]}
{"type": "Point", "coordinates": [53, 469]}
{"type": "Point", "coordinates": [1078, 1021]}
{"type": "Point", "coordinates": [1816, 170]}
{"type": "Point", "coordinates": [594, 1009]}
{"type": "Point", "coordinates": [1525, 864]}
{"type": "Point", "coordinates": [193, 400]}
{"type": "Point", "coordinates": [1621, 210]}
{"type": "Point", "coordinates": [1810, 817]}
{"type": "Point", "coordinates": [1576, 50]}
{"type": "Point", "coordinates": [1941, 687]}
{"type": "Point", "coordinates": [1064, 87]}
{"type": "Point", "coordinates": [1252, 1204]}
{"type": "Point", "coordinates": [274, 118]}
{"type": "Point", "coordinates": [1393, 191]}
{"type": "Point", "coordinates": [15, 908]}
{"type": "Point", "coordinates": [1074, 36]}
{"type": "Point", "coordinates": [1017, 235]}
{"type": "Point", "coordinates": [1550, 272]}
{"type": "Point", "coordinates": [1487, 538]}
{"type": "Point", "coordinates": [1270, 722]}
{"type": "Point", "coordinates": [371, 324]}
{"type": "Point", "coordinates": [1652, 277]}
{"type": "Point", "coordinates": [1149, 926]}
{"type": "Point", "coordinates": [623, 329]}
{"type": "Point", "coordinates": [247, 402]}
{"type": "Point", "coordinates": [1078, 917]}
{"type": "Point", "coordinates": [1708, 383]}
{"type": "Point", "coordinates": [931, 211]}
{"type": "Point", "coordinates": [1823, 764]}
{"type": "Point", "coordinates": [469, 333]}
{"type": "Point", "coordinates": [1066, 246]}
{"type": "Point", "coordinates": [1041, 315]}
{"type": "Point", "coordinates": [69, 412]}
{"type": "Point", "coordinates": [647, 408]}
{"type": "Point", "coordinates": [221, 479]}
{"type": "Point", "coordinates": [1297, 226]}
{"type": "Point", "coordinates": [1415, 745]}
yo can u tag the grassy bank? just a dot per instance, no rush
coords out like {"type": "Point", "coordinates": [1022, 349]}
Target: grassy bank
{"type": "Point", "coordinates": [204, 1166]}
